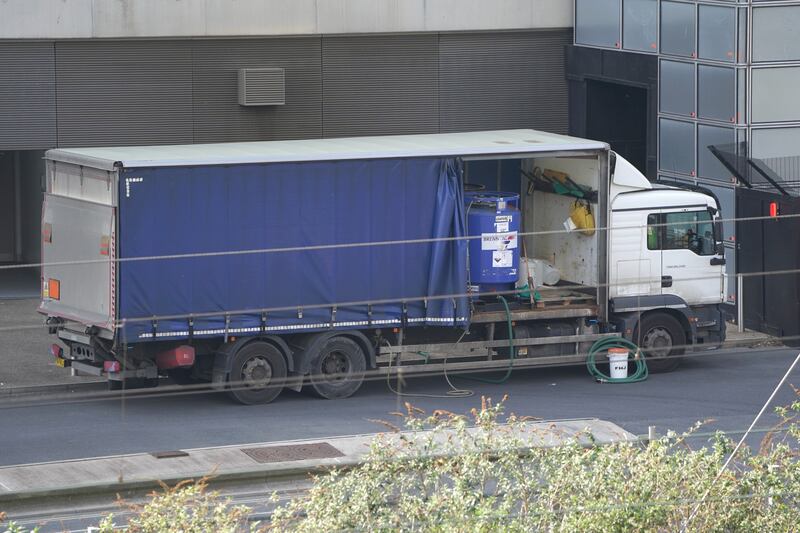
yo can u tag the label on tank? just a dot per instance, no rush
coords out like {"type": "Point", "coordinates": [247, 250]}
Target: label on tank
{"type": "Point", "coordinates": [499, 241]}
{"type": "Point", "coordinates": [502, 259]}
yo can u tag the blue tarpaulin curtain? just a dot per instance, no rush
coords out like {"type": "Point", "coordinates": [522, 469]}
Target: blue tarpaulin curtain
{"type": "Point", "coordinates": [180, 210]}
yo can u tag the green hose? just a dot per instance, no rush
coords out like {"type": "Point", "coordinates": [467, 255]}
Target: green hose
{"type": "Point", "coordinates": [512, 354]}
{"type": "Point", "coordinates": [616, 342]}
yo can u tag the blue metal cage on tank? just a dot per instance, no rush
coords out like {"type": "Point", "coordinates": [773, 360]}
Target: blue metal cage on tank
{"type": "Point", "coordinates": [494, 257]}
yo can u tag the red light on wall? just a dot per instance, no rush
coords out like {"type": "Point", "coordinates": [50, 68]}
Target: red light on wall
{"type": "Point", "coordinates": [773, 209]}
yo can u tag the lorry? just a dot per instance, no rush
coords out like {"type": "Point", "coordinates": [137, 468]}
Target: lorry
{"type": "Point", "coordinates": [318, 263]}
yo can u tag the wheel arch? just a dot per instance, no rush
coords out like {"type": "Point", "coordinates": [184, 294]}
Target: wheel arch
{"type": "Point", "coordinates": [312, 343]}
{"type": "Point", "coordinates": [677, 314]}
{"type": "Point", "coordinates": [223, 358]}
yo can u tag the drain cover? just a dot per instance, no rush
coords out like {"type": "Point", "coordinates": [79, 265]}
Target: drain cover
{"type": "Point", "coordinates": [293, 452]}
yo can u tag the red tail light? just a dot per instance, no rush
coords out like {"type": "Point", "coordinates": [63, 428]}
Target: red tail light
{"type": "Point", "coordinates": [56, 350]}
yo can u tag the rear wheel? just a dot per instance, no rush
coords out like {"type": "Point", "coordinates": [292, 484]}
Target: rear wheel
{"type": "Point", "coordinates": [258, 374]}
{"type": "Point", "coordinates": [338, 369]}
{"type": "Point", "coordinates": [663, 341]}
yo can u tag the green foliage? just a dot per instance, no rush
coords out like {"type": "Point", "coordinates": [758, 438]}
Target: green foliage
{"type": "Point", "coordinates": [12, 527]}
{"type": "Point", "coordinates": [453, 478]}
{"type": "Point", "coordinates": [453, 473]}
{"type": "Point", "coordinates": [187, 507]}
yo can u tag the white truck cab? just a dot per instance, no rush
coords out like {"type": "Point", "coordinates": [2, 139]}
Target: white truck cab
{"type": "Point", "coordinates": [666, 269]}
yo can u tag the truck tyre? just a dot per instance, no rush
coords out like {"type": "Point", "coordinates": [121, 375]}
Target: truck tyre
{"type": "Point", "coordinates": [663, 341]}
{"type": "Point", "coordinates": [258, 374]}
{"type": "Point", "coordinates": [337, 371]}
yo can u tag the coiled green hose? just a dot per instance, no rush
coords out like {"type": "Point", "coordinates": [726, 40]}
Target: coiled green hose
{"type": "Point", "coordinates": [616, 342]}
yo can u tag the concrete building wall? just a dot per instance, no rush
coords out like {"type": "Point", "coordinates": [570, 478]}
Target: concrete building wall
{"type": "Point", "coordinates": [86, 19]}
{"type": "Point", "coordinates": [180, 91]}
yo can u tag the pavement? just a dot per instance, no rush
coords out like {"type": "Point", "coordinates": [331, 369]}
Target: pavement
{"type": "Point", "coordinates": [282, 458]}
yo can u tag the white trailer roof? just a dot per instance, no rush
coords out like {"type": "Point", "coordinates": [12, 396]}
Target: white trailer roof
{"type": "Point", "coordinates": [483, 143]}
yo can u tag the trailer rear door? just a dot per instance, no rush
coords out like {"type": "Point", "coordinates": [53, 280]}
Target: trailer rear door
{"type": "Point", "coordinates": [78, 253]}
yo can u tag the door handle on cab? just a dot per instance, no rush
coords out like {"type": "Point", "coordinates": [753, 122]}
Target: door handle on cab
{"type": "Point", "coordinates": [718, 261]}
{"type": "Point", "coordinates": [666, 281]}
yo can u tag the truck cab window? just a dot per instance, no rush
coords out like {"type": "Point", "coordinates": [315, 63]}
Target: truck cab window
{"type": "Point", "coordinates": [692, 230]}
{"type": "Point", "coordinates": [654, 231]}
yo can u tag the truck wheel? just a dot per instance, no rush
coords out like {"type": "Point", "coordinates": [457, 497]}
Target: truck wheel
{"type": "Point", "coordinates": [663, 340]}
{"type": "Point", "coordinates": [258, 374]}
{"type": "Point", "coordinates": [338, 369]}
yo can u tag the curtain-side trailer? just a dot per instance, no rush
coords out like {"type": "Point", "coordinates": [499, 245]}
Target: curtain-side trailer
{"type": "Point", "coordinates": [264, 265]}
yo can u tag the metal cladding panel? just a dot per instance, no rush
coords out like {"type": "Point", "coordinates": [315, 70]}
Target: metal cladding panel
{"type": "Point", "coordinates": [378, 85]}
{"type": "Point", "coordinates": [218, 117]}
{"type": "Point", "coordinates": [27, 96]}
{"type": "Point", "coordinates": [503, 80]}
{"type": "Point", "coordinates": [126, 92]}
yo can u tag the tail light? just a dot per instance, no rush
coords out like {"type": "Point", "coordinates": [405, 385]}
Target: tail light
{"type": "Point", "coordinates": [111, 366]}
{"type": "Point", "coordinates": [56, 351]}
{"type": "Point", "coordinates": [54, 289]}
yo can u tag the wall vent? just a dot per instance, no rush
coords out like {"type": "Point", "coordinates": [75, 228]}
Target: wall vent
{"type": "Point", "coordinates": [262, 86]}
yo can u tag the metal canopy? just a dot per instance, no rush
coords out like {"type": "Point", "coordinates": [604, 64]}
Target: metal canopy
{"type": "Point", "coordinates": [471, 144]}
{"type": "Point", "coordinates": [780, 175]}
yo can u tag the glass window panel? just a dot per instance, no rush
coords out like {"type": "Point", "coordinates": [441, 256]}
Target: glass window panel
{"type": "Point", "coordinates": [775, 142]}
{"type": "Point", "coordinates": [716, 93]}
{"type": "Point", "coordinates": [717, 33]}
{"type": "Point", "coordinates": [776, 33]}
{"type": "Point", "coordinates": [676, 146]}
{"type": "Point", "coordinates": [775, 94]}
{"type": "Point", "coordinates": [726, 196]}
{"type": "Point", "coordinates": [653, 232]}
{"type": "Point", "coordinates": [708, 166]}
{"type": "Point", "coordinates": [676, 88]}
{"type": "Point", "coordinates": [690, 230]}
{"type": "Point", "coordinates": [678, 29]}
{"type": "Point", "coordinates": [597, 23]}
{"type": "Point", "coordinates": [640, 25]}
{"type": "Point", "coordinates": [726, 199]}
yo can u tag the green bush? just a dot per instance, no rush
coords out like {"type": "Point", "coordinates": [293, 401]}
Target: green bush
{"type": "Point", "coordinates": [452, 478]}
{"type": "Point", "coordinates": [187, 508]}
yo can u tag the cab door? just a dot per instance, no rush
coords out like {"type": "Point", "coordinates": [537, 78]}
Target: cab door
{"type": "Point", "coordinates": [690, 266]}
{"type": "Point", "coordinates": [635, 257]}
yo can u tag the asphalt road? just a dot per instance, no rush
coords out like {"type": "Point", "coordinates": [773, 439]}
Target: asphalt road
{"type": "Point", "coordinates": [729, 388]}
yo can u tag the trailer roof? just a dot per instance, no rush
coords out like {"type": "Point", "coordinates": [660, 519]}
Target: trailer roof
{"type": "Point", "coordinates": [482, 143]}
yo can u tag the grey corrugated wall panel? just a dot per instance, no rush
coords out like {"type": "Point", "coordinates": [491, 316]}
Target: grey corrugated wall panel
{"type": "Point", "coordinates": [124, 92]}
{"type": "Point", "coordinates": [380, 84]}
{"type": "Point", "coordinates": [27, 96]}
{"type": "Point", "coordinates": [218, 117]}
{"type": "Point", "coordinates": [503, 80]}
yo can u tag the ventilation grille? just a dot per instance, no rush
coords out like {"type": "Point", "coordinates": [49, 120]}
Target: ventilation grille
{"type": "Point", "coordinates": [262, 86]}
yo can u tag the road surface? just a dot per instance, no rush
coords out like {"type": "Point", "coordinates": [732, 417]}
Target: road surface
{"type": "Point", "coordinates": [729, 388]}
